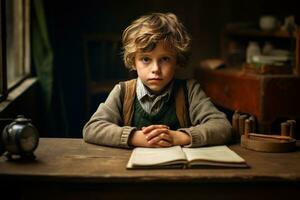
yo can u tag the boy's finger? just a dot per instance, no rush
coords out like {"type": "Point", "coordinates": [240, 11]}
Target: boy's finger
{"type": "Point", "coordinates": [156, 133]}
{"type": "Point", "coordinates": [163, 143]}
{"type": "Point", "coordinates": [162, 136]}
{"type": "Point", "coordinates": [166, 137]}
{"type": "Point", "coordinates": [154, 140]}
{"type": "Point", "coordinates": [153, 127]}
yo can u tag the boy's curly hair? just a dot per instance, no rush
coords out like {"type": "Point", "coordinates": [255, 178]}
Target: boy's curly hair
{"type": "Point", "coordinates": [144, 33]}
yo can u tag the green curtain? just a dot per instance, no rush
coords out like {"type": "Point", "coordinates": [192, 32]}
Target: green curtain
{"type": "Point", "coordinates": [43, 57]}
{"type": "Point", "coordinates": [42, 51]}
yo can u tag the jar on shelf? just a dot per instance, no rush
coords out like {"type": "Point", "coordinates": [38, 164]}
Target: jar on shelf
{"type": "Point", "coordinates": [267, 48]}
{"type": "Point", "coordinates": [253, 49]}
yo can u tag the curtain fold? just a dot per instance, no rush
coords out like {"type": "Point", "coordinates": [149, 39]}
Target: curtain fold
{"type": "Point", "coordinates": [43, 62]}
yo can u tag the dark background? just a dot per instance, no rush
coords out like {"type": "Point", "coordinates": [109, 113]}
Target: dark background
{"type": "Point", "coordinates": [68, 21]}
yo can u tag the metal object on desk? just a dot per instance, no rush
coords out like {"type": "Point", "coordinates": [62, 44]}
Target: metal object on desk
{"type": "Point", "coordinates": [270, 143]}
{"type": "Point", "coordinates": [19, 139]}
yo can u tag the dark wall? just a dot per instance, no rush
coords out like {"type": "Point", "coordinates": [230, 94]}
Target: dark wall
{"type": "Point", "coordinates": [69, 20]}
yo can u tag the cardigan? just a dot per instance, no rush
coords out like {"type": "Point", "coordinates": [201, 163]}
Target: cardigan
{"type": "Point", "coordinates": [166, 116]}
{"type": "Point", "coordinates": [209, 126]}
{"type": "Point", "coordinates": [179, 92]}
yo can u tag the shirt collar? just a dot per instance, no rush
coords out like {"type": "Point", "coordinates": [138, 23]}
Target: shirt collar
{"type": "Point", "coordinates": [143, 92]}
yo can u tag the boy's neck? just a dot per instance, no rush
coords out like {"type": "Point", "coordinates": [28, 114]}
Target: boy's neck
{"type": "Point", "coordinates": [157, 93]}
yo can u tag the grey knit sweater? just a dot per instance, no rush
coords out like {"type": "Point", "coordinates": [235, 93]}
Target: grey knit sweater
{"type": "Point", "coordinates": [209, 125]}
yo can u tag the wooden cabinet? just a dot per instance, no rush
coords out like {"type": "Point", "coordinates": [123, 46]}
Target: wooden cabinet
{"type": "Point", "coordinates": [270, 97]}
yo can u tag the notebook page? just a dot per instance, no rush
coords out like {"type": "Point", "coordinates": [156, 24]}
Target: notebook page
{"type": "Point", "coordinates": [214, 153]}
{"type": "Point", "coordinates": [155, 156]}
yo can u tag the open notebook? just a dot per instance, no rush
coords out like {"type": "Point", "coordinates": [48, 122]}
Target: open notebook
{"type": "Point", "coordinates": [177, 157]}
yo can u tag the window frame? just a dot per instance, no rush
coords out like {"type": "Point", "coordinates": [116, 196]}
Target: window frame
{"type": "Point", "coordinates": [4, 88]}
{"type": "Point", "coordinates": [3, 72]}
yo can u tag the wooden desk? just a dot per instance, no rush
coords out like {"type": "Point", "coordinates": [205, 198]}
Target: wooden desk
{"type": "Point", "coordinates": [72, 169]}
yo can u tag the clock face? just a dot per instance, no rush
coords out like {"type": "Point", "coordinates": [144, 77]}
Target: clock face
{"type": "Point", "coordinates": [28, 139]}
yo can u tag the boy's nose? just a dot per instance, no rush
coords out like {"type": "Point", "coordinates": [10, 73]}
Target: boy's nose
{"type": "Point", "coordinates": [155, 67]}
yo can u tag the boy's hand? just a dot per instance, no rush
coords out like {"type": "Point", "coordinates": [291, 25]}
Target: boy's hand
{"type": "Point", "coordinates": [138, 139]}
{"type": "Point", "coordinates": [159, 134]}
{"type": "Point", "coordinates": [180, 138]}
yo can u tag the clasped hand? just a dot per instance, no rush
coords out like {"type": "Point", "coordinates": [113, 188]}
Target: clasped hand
{"type": "Point", "coordinates": [159, 136]}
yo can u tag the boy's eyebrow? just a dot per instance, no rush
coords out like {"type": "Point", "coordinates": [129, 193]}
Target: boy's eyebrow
{"type": "Point", "coordinates": [149, 54]}
{"type": "Point", "coordinates": [143, 54]}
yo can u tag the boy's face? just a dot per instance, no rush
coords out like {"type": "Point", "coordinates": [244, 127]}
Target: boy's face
{"type": "Point", "coordinates": [156, 68]}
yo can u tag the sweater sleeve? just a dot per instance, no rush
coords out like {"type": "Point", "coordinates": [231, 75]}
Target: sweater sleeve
{"type": "Point", "coordinates": [209, 125]}
{"type": "Point", "coordinates": [104, 128]}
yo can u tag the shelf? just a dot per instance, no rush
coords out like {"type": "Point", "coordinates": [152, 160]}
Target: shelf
{"type": "Point", "coordinates": [234, 43]}
{"type": "Point", "coordinates": [258, 33]}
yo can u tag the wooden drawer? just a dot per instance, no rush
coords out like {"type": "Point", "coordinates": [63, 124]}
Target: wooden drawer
{"type": "Point", "coordinates": [270, 98]}
{"type": "Point", "coordinates": [232, 90]}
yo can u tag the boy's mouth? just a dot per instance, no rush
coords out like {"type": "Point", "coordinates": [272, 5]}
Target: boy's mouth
{"type": "Point", "coordinates": [154, 79]}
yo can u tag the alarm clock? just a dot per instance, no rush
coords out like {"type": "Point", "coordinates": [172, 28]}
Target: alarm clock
{"type": "Point", "coordinates": [19, 139]}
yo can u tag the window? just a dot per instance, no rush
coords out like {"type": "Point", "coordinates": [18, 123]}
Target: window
{"type": "Point", "coordinates": [15, 43]}
{"type": "Point", "coordinates": [2, 52]}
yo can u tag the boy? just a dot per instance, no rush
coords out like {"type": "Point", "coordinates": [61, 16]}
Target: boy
{"type": "Point", "coordinates": [157, 110]}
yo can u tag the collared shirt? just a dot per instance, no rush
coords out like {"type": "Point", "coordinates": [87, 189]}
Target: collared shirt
{"type": "Point", "coordinates": [152, 103]}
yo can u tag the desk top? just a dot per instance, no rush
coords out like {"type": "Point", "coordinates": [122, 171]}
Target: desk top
{"type": "Point", "coordinates": [74, 160]}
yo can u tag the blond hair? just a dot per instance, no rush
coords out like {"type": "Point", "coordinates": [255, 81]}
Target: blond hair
{"type": "Point", "coordinates": [144, 33]}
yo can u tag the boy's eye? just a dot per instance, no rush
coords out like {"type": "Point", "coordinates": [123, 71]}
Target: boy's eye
{"type": "Point", "coordinates": [165, 59]}
{"type": "Point", "coordinates": [145, 60]}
